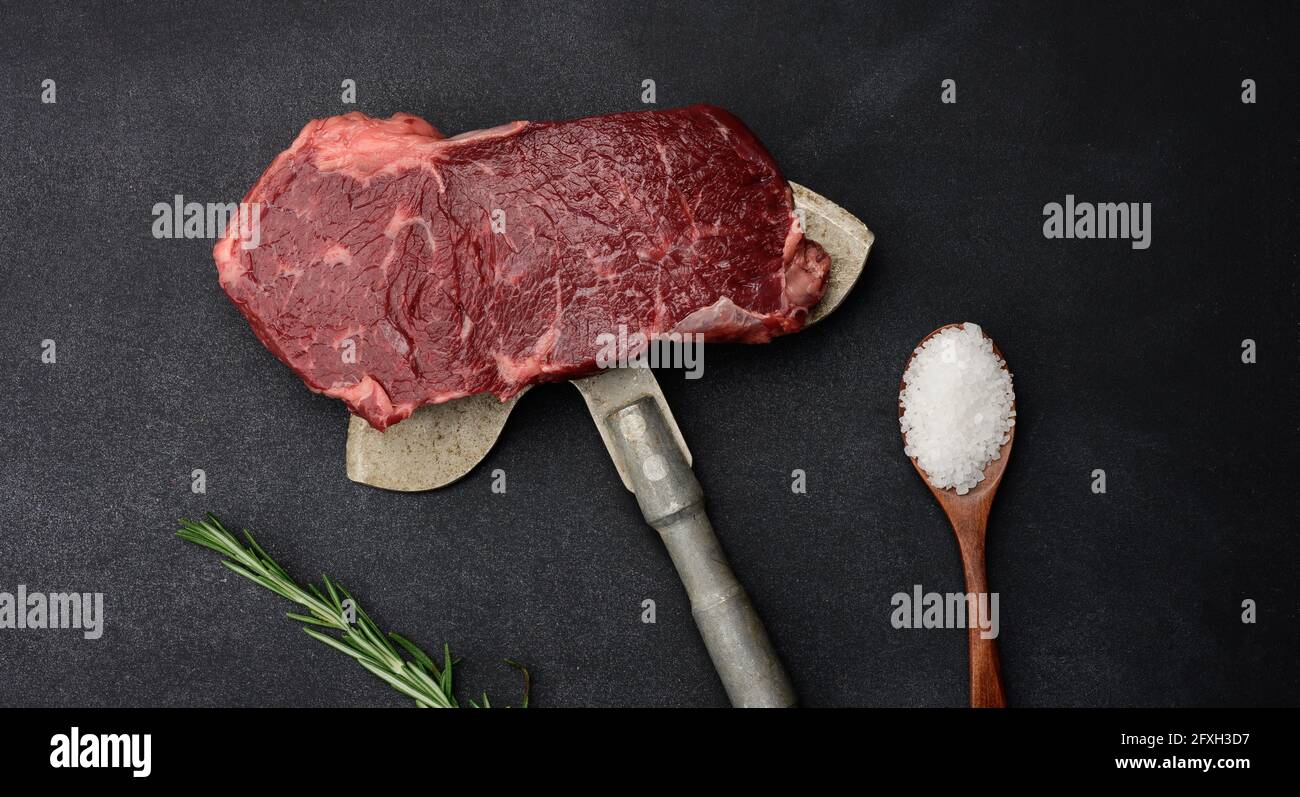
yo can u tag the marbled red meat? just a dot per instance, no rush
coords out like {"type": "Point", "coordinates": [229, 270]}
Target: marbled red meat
{"type": "Point", "coordinates": [397, 268]}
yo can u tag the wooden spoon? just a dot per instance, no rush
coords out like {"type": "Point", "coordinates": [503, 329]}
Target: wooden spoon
{"type": "Point", "coordinates": [969, 516]}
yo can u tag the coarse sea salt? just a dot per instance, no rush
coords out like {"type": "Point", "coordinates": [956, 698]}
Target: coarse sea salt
{"type": "Point", "coordinates": [957, 405]}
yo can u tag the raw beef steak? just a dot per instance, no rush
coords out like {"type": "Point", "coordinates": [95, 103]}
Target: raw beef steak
{"type": "Point", "coordinates": [395, 267]}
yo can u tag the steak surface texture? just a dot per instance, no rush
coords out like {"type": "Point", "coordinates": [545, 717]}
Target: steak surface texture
{"type": "Point", "coordinates": [394, 267]}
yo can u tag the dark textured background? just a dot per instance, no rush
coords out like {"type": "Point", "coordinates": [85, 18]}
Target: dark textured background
{"type": "Point", "coordinates": [1124, 360]}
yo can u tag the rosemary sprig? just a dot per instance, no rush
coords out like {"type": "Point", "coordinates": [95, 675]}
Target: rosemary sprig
{"type": "Point", "coordinates": [418, 677]}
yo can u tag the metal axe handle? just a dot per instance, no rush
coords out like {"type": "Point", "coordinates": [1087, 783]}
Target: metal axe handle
{"type": "Point", "coordinates": [672, 501]}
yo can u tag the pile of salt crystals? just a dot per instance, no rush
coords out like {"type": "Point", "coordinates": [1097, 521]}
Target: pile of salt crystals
{"type": "Point", "coordinates": [957, 407]}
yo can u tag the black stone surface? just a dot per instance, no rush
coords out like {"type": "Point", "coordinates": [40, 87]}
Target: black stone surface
{"type": "Point", "coordinates": [1124, 360]}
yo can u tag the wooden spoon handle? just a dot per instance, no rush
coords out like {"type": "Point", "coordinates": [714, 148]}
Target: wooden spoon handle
{"type": "Point", "coordinates": [986, 690]}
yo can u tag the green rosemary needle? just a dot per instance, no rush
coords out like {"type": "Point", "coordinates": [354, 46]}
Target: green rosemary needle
{"type": "Point", "coordinates": [418, 677]}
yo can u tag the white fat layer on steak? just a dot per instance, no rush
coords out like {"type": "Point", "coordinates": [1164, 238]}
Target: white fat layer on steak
{"type": "Point", "coordinates": [723, 318]}
{"type": "Point", "coordinates": [378, 149]}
